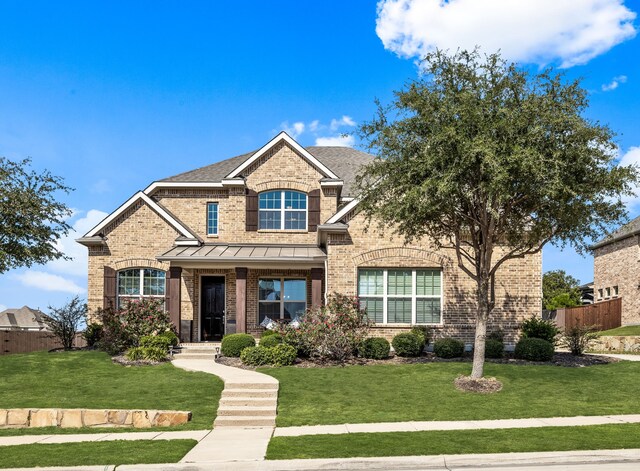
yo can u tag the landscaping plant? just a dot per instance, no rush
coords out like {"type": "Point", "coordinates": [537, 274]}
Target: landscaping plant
{"type": "Point", "coordinates": [448, 348]}
{"type": "Point", "coordinates": [375, 348]}
{"type": "Point", "coordinates": [233, 344]}
{"type": "Point", "coordinates": [424, 332]}
{"type": "Point", "coordinates": [64, 322]}
{"type": "Point", "coordinates": [407, 345]}
{"type": "Point", "coordinates": [494, 349]}
{"type": "Point", "coordinates": [271, 340]}
{"type": "Point", "coordinates": [278, 355]}
{"type": "Point", "coordinates": [538, 328]}
{"type": "Point", "coordinates": [578, 338]}
{"type": "Point", "coordinates": [155, 354]}
{"type": "Point", "coordinates": [93, 334]}
{"type": "Point", "coordinates": [534, 349]}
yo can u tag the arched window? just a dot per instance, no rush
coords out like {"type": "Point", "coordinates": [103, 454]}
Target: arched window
{"type": "Point", "coordinates": [282, 209]}
{"type": "Point", "coordinates": [138, 283]}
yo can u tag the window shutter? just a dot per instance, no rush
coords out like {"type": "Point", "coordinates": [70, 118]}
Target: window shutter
{"type": "Point", "coordinates": [252, 211]}
{"type": "Point", "coordinates": [314, 210]}
{"type": "Point", "coordinates": [109, 288]}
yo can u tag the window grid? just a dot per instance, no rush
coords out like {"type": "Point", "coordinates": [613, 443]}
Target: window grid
{"type": "Point", "coordinates": [212, 219]}
{"type": "Point", "coordinates": [140, 283]}
{"type": "Point", "coordinates": [386, 297]}
{"type": "Point", "coordinates": [282, 301]}
{"type": "Point", "coordinates": [282, 210]}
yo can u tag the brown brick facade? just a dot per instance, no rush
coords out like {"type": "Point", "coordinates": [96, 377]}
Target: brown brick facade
{"type": "Point", "coordinates": [618, 265]}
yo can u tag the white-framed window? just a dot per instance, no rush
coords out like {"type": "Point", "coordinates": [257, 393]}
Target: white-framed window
{"type": "Point", "coordinates": [138, 283]}
{"type": "Point", "coordinates": [281, 298]}
{"type": "Point", "coordinates": [600, 293]}
{"type": "Point", "coordinates": [615, 291]}
{"type": "Point", "coordinates": [607, 292]}
{"type": "Point", "coordinates": [282, 210]}
{"type": "Point", "coordinates": [212, 219]}
{"type": "Point", "coordinates": [401, 295]}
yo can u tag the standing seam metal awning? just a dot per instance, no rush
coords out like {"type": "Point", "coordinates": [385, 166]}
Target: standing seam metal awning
{"type": "Point", "coordinates": [244, 253]}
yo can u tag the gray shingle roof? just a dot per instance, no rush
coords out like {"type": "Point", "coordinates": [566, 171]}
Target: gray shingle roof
{"type": "Point", "coordinates": [629, 229]}
{"type": "Point", "coordinates": [345, 162]}
{"type": "Point", "coordinates": [21, 318]}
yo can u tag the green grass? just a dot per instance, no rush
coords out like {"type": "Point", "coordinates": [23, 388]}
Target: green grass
{"type": "Point", "coordinates": [89, 379]}
{"type": "Point", "coordinates": [625, 330]}
{"type": "Point", "coordinates": [396, 393]}
{"type": "Point", "coordinates": [94, 453]}
{"type": "Point", "coordinates": [593, 437]}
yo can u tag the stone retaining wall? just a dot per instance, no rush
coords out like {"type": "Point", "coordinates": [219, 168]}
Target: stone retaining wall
{"type": "Point", "coordinates": [611, 343]}
{"type": "Point", "coordinates": [72, 418]}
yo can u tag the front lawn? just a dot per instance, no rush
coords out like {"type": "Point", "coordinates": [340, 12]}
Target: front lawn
{"type": "Point", "coordinates": [397, 393]}
{"type": "Point", "coordinates": [621, 331]}
{"type": "Point", "coordinates": [89, 379]}
{"type": "Point", "coordinates": [592, 437]}
{"type": "Point", "coordinates": [94, 453]}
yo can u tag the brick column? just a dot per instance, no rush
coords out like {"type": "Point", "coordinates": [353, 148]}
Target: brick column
{"type": "Point", "coordinates": [316, 287]}
{"type": "Point", "coordinates": [241, 299]}
{"type": "Point", "coordinates": [174, 284]}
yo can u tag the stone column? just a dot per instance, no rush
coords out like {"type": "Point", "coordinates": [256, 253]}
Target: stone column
{"type": "Point", "coordinates": [241, 299]}
{"type": "Point", "coordinates": [316, 287]}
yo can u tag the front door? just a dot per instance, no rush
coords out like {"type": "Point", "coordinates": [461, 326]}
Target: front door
{"type": "Point", "coordinates": [212, 308]}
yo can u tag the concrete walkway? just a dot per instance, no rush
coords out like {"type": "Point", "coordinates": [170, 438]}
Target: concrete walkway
{"type": "Point", "coordinates": [619, 356]}
{"type": "Point", "coordinates": [246, 415]}
{"type": "Point", "coordinates": [455, 425]}
{"type": "Point", "coordinates": [102, 437]}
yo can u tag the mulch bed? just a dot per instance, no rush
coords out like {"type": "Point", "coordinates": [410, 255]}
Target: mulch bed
{"type": "Point", "coordinates": [564, 359]}
{"type": "Point", "coordinates": [122, 360]}
{"type": "Point", "coordinates": [482, 385]}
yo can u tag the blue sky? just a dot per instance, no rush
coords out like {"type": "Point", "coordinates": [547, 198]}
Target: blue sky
{"type": "Point", "coordinates": [113, 95]}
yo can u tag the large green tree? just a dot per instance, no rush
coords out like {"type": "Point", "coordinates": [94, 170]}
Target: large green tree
{"type": "Point", "coordinates": [31, 218]}
{"type": "Point", "coordinates": [560, 290]}
{"type": "Point", "coordinates": [494, 161]}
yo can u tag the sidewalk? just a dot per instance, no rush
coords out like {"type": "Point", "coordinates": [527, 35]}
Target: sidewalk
{"type": "Point", "coordinates": [102, 437]}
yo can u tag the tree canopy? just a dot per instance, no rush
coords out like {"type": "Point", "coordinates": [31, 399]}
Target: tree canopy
{"type": "Point", "coordinates": [560, 290]}
{"type": "Point", "coordinates": [31, 219]}
{"type": "Point", "coordinates": [494, 161]}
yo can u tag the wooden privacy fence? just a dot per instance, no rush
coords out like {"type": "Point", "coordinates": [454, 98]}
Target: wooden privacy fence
{"type": "Point", "coordinates": [606, 315]}
{"type": "Point", "coordinates": [20, 341]}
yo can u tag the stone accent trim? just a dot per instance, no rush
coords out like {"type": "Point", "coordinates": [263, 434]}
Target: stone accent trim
{"type": "Point", "coordinates": [139, 263]}
{"type": "Point", "coordinates": [283, 185]}
{"type": "Point", "coordinates": [365, 258]}
{"type": "Point", "coordinates": [76, 418]}
{"type": "Point", "coordinates": [616, 343]}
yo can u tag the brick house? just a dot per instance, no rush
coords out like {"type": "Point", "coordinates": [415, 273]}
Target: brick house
{"type": "Point", "coordinates": [616, 270]}
{"type": "Point", "coordinates": [273, 232]}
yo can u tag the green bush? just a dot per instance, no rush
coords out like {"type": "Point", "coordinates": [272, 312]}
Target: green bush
{"type": "Point", "coordinates": [146, 353]}
{"type": "Point", "coordinates": [534, 349]}
{"type": "Point", "coordinates": [424, 332]}
{"type": "Point", "coordinates": [173, 338]}
{"type": "Point", "coordinates": [283, 355]}
{"type": "Point", "coordinates": [92, 334]}
{"type": "Point", "coordinates": [578, 338]}
{"type": "Point", "coordinates": [537, 328]}
{"type": "Point", "coordinates": [375, 348]}
{"type": "Point", "coordinates": [407, 345]}
{"type": "Point", "coordinates": [268, 333]}
{"type": "Point", "coordinates": [156, 341]}
{"type": "Point", "coordinates": [448, 348]}
{"type": "Point", "coordinates": [233, 344]}
{"type": "Point", "coordinates": [493, 349]}
{"type": "Point", "coordinates": [271, 340]}
{"type": "Point", "coordinates": [497, 334]}
{"type": "Point", "coordinates": [256, 356]}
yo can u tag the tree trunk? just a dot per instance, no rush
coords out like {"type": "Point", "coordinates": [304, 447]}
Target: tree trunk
{"type": "Point", "coordinates": [482, 316]}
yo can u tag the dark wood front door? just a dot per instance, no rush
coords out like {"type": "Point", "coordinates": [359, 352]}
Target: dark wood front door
{"type": "Point", "coordinates": [212, 308]}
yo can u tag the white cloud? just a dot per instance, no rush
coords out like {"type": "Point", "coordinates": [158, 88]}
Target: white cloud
{"type": "Point", "coordinates": [294, 130]}
{"type": "Point", "coordinates": [48, 282]}
{"type": "Point", "coordinates": [77, 266]}
{"type": "Point", "coordinates": [571, 32]}
{"type": "Point", "coordinates": [2, 307]}
{"type": "Point", "coordinates": [607, 87]}
{"type": "Point", "coordinates": [632, 157]}
{"type": "Point", "coordinates": [347, 141]}
{"type": "Point", "coordinates": [313, 125]}
{"type": "Point", "coordinates": [344, 121]}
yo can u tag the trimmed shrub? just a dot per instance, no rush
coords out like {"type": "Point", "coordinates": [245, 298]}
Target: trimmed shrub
{"type": "Point", "coordinates": [156, 341]}
{"type": "Point", "coordinates": [233, 344]}
{"type": "Point", "coordinates": [256, 356]}
{"type": "Point", "coordinates": [135, 354]}
{"type": "Point", "coordinates": [578, 338]}
{"type": "Point", "coordinates": [92, 334]}
{"type": "Point", "coordinates": [146, 353]}
{"type": "Point", "coordinates": [497, 334]}
{"type": "Point", "coordinates": [537, 328]}
{"type": "Point", "coordinates": [448, 348]}
{"type": "Point", "coordinates": [268, 333]}
{"type": "Point", "coordinates": [298, 340]}
{"type": "Point", "coordinates": [534, 349]}
{"type": "Point", "coordinates": [171, 336]}
{"type": "Point", "coordinates": [407, 345]}
{"type": "Point", "coordinates": [375, 348]}
{"type": "Point", "coordinates": [283, 355]}
{"type": "Point", "coordinates": [271, 340]}
{"type": "Point", "coordinates": [493, 349]}
{"type": "Point", "coordinates": [424, 332]}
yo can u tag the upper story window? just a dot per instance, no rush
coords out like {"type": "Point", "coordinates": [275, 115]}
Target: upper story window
{"type": "Point", "coordinates": [212, 219]}
{"type": "Point", "coordinates": [138, 283]}
{"type": "Point", "coordinates": [282, 209]}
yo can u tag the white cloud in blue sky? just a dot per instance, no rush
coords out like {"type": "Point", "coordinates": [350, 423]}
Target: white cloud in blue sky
{"type": "Point", "coordinates": [323, 134]}
{"type": "Point", "coordinates": [615, 83]}
{"type": "Point", "coordinates": [569, 32]}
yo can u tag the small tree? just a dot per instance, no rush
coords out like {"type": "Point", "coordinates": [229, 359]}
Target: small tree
{"type": "Point", "coordinates": [560, 290]}
{"type": "Point", "coordinates": [64, 322]}
{"type": "Point", "coordinates": [492, 161]}
{"type": "Point", "coordinates": [31, 220]}
{"type": "Point", "coordinates": [578, 338]}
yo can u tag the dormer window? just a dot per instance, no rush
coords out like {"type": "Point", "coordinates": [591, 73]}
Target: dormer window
{"type": "Point", "coordinates": [282, 210]}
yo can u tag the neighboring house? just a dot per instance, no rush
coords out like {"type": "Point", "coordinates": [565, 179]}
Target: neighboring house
{"type": "Point", "coordinates": [24, 318]}
{"type": "Point", "coordinates": [586, 293]}
{"type": "Point", "coordinates": [273, 232]}
{"type": "Point", "coordinates": [616, 270]}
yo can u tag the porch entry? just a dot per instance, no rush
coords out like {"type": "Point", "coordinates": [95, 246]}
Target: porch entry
{"type": "Point", "coordinates": [212, 308]}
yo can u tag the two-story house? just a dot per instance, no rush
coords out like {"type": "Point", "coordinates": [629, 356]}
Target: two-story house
{"type": "Point", "coordinates": [271, 233]}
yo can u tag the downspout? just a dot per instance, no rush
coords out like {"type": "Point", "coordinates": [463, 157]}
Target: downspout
{"type": "Point", "coordinates": [326, 278]}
